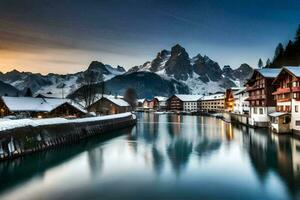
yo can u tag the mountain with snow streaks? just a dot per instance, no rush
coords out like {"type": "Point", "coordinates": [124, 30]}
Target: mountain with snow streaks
{"type": "Point", "coordinates": [201, 74]}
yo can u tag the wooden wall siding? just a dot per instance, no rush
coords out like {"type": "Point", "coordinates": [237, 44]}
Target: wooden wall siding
{"type": "Point", "coordinates": [260, 91]}
{"type": "Point", "coordinates": [174, 103]}
{"type": "Point", "coordinates": [106, 107]}
{"type": "Point", "coordinates": [65, 110]}
{"type": "Point", "coordinates": [4, 111]}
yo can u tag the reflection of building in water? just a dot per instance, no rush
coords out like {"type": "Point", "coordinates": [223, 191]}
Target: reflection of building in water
{"type": "Point", "coordinates": [274, 153]}
{"type": "Point", "coordinates": [175, 125]}
{"type": "Point", "coordinates": [228, 131]}
{"type": "Point", "coordinates": [95, 160]}
{"type": "Point", "coordinates": [296, 156]}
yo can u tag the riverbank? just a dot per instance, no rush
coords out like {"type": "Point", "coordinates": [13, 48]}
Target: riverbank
{"type": "Point", "coordinates": [20, 137]}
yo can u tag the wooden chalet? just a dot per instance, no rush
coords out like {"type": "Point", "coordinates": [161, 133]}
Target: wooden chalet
{"type": "Point", "coordinates": [108, 105]}
{"type": "Point", "coordinates": [287, 96]}
{"type": "Point", "coordinates": [261, 101]}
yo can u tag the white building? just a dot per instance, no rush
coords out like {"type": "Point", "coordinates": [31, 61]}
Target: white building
{"type": "Point", "coordinates": [213, 103]}
{"type": "Point", "coordinates": [190, 102]}
{"type": "Point", "coordinates": [240, 105]}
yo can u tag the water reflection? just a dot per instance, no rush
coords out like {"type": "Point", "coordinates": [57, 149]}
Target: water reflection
{"type": "Point", "coordinates": [161, 150]}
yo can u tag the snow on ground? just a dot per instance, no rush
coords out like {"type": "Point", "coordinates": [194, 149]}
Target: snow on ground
{"type": "Point", "coordinates": [11, 124]}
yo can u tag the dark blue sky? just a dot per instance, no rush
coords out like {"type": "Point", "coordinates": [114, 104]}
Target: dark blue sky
{"type": "Point", "coordinates": [65, 35]}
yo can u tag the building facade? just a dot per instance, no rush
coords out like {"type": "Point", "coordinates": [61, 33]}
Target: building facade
{"type": "Point", "coordinates": [287, 96]}
{"type": "Point", "coordinates": [212, 103]}
{"type": "Point", "coordinates": [109, 106]}
{"type": "Point", "coordinates": [183, 102]}
{"type": "Point", "coordinates": [261, 101]}
{"type": "Point", "coordinates": [241, 106]}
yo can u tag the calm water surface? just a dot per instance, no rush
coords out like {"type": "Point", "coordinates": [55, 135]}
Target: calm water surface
{"type": "Point", "coordinates": [163, 157]}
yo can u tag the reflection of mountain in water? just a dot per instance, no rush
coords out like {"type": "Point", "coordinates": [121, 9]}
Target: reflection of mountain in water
{"type": "Point", "coordinates": [158, 160]}
{"type": "Point", "coordinates": [205, 147]}
{"type": "Point", "coordinates": [179, 152]}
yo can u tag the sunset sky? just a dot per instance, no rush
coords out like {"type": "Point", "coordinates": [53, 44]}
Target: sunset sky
{"type": "Point", "coordinates": [64, 36]}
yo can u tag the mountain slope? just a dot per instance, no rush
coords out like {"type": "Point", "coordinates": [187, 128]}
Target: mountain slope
{"type": "Point", "coordinates": [8, 90]}
{"type": "Point", "coordinates": [200, 73]}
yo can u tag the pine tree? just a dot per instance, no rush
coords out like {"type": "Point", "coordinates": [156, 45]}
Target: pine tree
{"type": "Point", "coordinates": [260, 64]}
{"type": "Point", "coordinates": [297, 37]}
{"type": "Point", "coordinates": [268, 63]}
{"type": "Point", "coordinates": [279, 50]}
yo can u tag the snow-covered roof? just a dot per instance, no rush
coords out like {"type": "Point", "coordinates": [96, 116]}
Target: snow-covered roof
{"type": "Point", "coordinates": [19, 104]}
{"type": "Point", "coordinates": [241, 90]}
{"type": "Point", "coordinates": [118, 101]}
{"type": "Point", "coordinates": [213, 97]}
{"type": "Point", "coordinates": [188, 97]}
{"type": "Point", "coordinates": [140, 100]}
{"type": "Point", "coordinates": [268, 72]}
{"type": "Point", "coordinates": [278, 114]}
{"type": "Point", "coordinates": [161, 98]}
{"type": "Point", "coordinates": [294, 70]}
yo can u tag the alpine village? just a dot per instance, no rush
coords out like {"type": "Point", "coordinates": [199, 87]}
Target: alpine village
{"type": "Point", "coordinates": [268, 98]}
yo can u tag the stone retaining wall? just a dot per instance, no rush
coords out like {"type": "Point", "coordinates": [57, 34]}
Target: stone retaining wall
{"type": "Point", "coordinates": [20, 141]}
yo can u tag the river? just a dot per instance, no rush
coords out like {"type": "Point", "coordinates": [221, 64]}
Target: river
{"type": "Point", "coordinates": [163, 157]}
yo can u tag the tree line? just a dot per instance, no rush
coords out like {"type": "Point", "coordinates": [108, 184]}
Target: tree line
{"type": "Point", "coordinates": [284, 55]}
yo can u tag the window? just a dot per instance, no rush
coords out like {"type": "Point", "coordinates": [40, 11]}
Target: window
{"type": "Point", "coordinates": [297, 123]}
{"type": "Point", "coordinates": [261, 111]}
{"type": "Point", "coordinates": [296, 108]}
{"type": "Point", "coordinates": [255, 111]}
{"type": "Point", "coordinates": [286, 120]}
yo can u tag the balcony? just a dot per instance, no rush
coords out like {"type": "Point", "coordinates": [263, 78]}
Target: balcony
{"type": "Point", "coordinates": [283, 99]}
{"type": "Point", "coordinates": [255, 87]}
{"type": "Point", "coordinates": [281, 91]}
{"type": "Point", "coordinates": [296, 89]}
{"type": "Point", "coordinates": [256, 97]}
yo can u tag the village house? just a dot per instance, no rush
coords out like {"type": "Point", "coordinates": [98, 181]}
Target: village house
{"type": "Point", "coordinates": [183, 102]}
{"type": "Point", "coordinates": [39, 107]}
{"type": "Point", "coordinates": [229, 99]}
{"type": "Point", "coordinates": [261, 101]}
{"type": "Point", "coordinates": [140, 103]}
{"type": "Point", "coordinates": [287, 96]}
{"type": "Point", "coordinates": [151, 104]}
{"type": "Point", "coordinates": [241, 106]}
{"type": "Point", "coordinates": [108, 105]}
{"type": "Point", "coordinates": [212, 103]}
{"type": "Point", "coordinates": [235, 100]}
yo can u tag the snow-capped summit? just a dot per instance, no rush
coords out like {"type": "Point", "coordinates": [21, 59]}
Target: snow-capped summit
{"type": "Point", "coordinates": [200, 73]}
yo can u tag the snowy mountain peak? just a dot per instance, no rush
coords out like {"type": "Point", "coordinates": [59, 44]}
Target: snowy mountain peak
{"type": "Point", "coordinates": [200, 73]}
